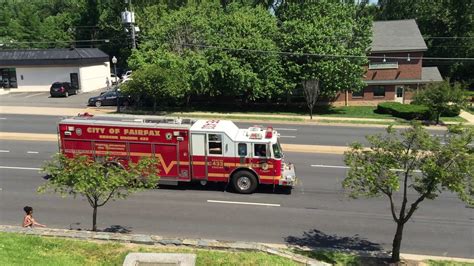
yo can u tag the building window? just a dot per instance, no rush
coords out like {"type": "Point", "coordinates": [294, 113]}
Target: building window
{"type": "Point", "coordinates": [358, 94]}
{"type": "Point", "coordinates": [215, 144]}
{"type": "Point", "coordinates": [8, 78]}
{"type": "Point", "coordinates": [379, 91]}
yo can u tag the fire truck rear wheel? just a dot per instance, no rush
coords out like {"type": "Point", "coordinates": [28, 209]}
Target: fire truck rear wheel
{"type": "Point", "coordinates": [244, 182]}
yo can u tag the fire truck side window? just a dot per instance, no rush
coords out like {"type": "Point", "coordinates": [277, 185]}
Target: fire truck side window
{"type": "Point", "coordinates": [260, 150]}
{"type": "Point", "coordinates": [215, 144]}
{"type": "Point", "coordinates": [242, 149]}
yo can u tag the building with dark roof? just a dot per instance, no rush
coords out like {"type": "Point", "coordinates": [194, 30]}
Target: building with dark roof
{"type": "Point", "coordinates": [35, 70]}
{"type": "Point", "coordinates": [395, 67]}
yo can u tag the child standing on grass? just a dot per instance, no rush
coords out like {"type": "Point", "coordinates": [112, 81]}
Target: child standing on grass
{"type": "Point", "coordinates": [28, 221]}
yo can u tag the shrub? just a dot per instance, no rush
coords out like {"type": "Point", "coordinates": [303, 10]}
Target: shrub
{"type": "Point", "coordinates": [405, 111]}
{"type": "Point", "coordinates": [451, 111]}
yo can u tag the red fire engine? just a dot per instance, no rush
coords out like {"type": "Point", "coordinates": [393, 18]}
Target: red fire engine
{"type": "Point", "coordinates": [187, 150]}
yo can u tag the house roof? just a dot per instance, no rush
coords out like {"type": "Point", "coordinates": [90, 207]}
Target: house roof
{"type": "Point", "coordinates": [397, 36]}
{"type": "Point", "coordinates": [73, 56]}
{"type": "Point", "coordinates": [428, 74]}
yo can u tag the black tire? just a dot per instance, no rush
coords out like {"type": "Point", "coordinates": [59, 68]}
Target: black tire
{"type": "Point", "coordinates": [244, 182]}
{"type": "Point", "coordinates": [98, 104]}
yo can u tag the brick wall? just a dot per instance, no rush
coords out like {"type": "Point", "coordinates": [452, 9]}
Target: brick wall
{"type": "Point", "coordinates": [406, 69]}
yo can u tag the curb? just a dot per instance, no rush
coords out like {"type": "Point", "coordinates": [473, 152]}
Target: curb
{"type": "Point", "coordinates": [160, 241]}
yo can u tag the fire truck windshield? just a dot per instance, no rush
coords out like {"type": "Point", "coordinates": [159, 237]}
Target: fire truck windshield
{"type": "Point", "coordinates": [277, 151]}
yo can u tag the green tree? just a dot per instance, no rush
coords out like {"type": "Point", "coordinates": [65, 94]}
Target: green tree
{"type": "Point", "coordinates": [158, 83]}
{"type": "Point", "coordinates": [448, 28]}
{"type": "Point", "coordinates": [225, 51]}
{"type": "Point", "coordinates": [328, 41]}
{"type": "Point", "coordinates": [441, 98]}
{"type": "Point", "coordinates": [413, 161]}
{"type": "Point", "coordinates": [98, 181]}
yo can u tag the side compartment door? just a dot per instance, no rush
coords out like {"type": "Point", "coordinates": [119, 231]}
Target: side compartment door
{"type": "Point", "coordinates": [198, 158]}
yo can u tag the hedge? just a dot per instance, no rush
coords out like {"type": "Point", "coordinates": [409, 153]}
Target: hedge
{"type": "Point", "coordinates": [405, 111]}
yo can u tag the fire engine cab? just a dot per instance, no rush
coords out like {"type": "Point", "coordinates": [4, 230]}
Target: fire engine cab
{"type": "Point", "coordinates": [186, 150]}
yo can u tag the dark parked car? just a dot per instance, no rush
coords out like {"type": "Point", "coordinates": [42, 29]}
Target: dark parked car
{"type": "Point", "coordinates": [109, 98]}
{"type": "Point", "coordinates": [62, 89]}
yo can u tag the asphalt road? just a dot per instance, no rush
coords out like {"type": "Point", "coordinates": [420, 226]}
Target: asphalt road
{"type": "Point", "coordinates": [316, 212]}
{"type": "Point", "coordinates": [289, 133]}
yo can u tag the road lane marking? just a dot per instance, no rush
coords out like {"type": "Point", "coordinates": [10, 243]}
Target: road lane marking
{"type": "Point", "coordinates": [3, 118]}
{"type": "Point", "coordinates": [4, 151]}
{"type": "Point", "coordinates": [244, 203]}
{"type": "Point", "coordinates": [32, 152]}
{"type": "Point", "coordinates": [285, 129]}
{"type": "Point", "coordinates": [347, 167]}
{"type": "Point", "coordinates": [36, 94]}
{"type": "Point", "coordinates": [20, 168]}
{"type": "Point", "coordinates": [330, 166]}
{"type": "Point", "coordinates": [28, 136]}
{"type": "Point", "coordinates": [288, 137]}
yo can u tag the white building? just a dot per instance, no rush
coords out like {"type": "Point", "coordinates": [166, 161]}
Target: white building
{"type": "Point", "coordinates": [36, 70]}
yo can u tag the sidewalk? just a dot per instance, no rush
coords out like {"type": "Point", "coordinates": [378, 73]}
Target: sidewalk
{"type": "Point", "coordinates": [468, 116]}
{"type": "Point", "coordinates": [275, 249]}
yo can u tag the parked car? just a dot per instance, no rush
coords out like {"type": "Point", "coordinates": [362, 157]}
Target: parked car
{"type": "Point", "coordinates": [62, 89]}
{"type": "Point", "coordinates": [109, 98]}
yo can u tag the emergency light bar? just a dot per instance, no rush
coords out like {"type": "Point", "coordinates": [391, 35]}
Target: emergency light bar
{"type": "Point", "coordinates": [269, 133]}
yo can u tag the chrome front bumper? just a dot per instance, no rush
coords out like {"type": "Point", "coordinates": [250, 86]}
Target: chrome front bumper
{"type": "Point", "coordinates": [288, 176]}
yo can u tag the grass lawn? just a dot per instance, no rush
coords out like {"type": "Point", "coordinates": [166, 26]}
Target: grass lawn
{"type": "Point", "coordinates": [18, 249]}
{"type": "Point", "coordinates": [470, 109]}
{"type": "Point", "coordinates": [353, 111]}
{"type": "Point", "coordinates": [453, 119]}
{"type": "Point", "coordinates": [341, 259]}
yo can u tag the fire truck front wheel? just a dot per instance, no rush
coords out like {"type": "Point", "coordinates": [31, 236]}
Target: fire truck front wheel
{"type": "Point", "coordinates": [244, 182]}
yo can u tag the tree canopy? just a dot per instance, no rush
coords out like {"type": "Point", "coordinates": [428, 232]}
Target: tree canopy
{"type": "Point", "coordinates": [397, 165]}
{"type": "Point", "coordinates": [98, 181]}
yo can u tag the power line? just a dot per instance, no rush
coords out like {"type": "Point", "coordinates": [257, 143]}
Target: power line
{"type": "Point", "coordinates": [325, 55]}
{"type": "Point", "coordinates": [274, 51]}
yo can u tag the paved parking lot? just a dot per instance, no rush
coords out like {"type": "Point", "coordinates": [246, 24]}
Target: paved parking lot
{"type": "Point", "coordinates": [44, 99]}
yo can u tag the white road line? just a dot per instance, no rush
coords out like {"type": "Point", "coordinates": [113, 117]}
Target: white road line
{"type": "Point", "coordinates": [244, 203]}
{"type": "Point", "coordinates": [285, 129]}
{"type": "Point", "coordinates": [288, 137]}
{"type": "Point", "coordinates": [330, 166]}
{"type": "Point", "coordinates": [32, 152]}
{"type": "Point", "coordinates": [20, 168]}
{"type": "Point", "coordinates": [3, 118]}
{"type": "Point", "coordinates": [4, 151]}
{"type": "Point", "coordinates": [347, 167]}
{"type": "Point", "coordinates": [33, 95]}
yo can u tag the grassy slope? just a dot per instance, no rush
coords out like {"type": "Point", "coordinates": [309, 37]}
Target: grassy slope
{"type": "Point", "coordinates": [16, 249]}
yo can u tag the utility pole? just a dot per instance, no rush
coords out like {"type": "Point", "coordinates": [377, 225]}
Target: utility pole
{"type": "Point", "coordinates": [128, 19]}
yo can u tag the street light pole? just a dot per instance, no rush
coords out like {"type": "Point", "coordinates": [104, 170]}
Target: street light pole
{"type": "Point", "coordinates": [114, 61]}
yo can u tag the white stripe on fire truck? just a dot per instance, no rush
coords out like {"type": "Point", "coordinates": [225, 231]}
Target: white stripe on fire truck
{"type": "Point", "coordinates": [244, 203]}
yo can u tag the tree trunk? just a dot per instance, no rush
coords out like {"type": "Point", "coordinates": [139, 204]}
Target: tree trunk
{"type": "Point", "coordinates": [94, 219]}
{"type": "Point", "coordinates": [154, 105]}
{"type": "Point", "coordinates": [311, 113]}
{"type": "Point", "coordinates": [438, 115]}
{"type": "Point", "coordinates": [397, 242]}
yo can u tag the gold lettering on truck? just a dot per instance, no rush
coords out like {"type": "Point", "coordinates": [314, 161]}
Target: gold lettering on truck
{"type": "Point", "coordinates": [141, 132]}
